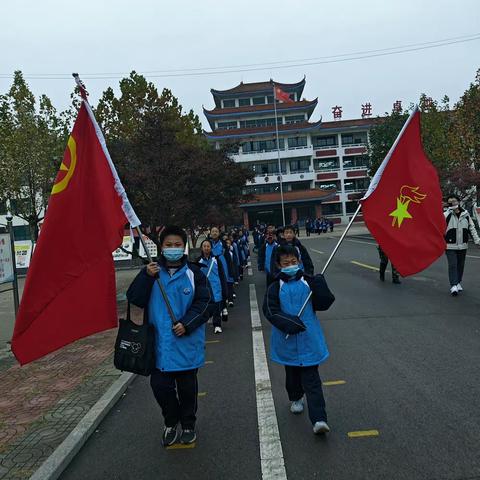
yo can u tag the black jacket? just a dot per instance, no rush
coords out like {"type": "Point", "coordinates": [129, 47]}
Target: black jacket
{"type": "Point", "coordinates": [261, 258]}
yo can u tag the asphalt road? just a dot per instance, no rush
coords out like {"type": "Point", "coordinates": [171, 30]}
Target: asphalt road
{"type": "Point", "coordinates": [404, 365]}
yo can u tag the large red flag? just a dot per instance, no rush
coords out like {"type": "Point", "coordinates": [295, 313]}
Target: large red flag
{"type": "Point", "coordinates": [70, 287]}
{"type": "Point", "coordinates": [281, 95]}
{"type": "Point", "coordinates": [403, 205]}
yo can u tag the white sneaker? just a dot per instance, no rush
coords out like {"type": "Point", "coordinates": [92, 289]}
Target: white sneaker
{"type": "Point", "coordinates": [459, 287]}
{"type": "Point", "coordinates": [224, 312]}
{"type": "Point", "coordinates": [230, 304]}
{"type": "Point", "coordinates": [297, 406]}
{"type": "Point", "coordinates": [218, 330]}
{"type": "Point", "coordinates": [320, 427]}
{"type": "Point", "coordinates": [234, 295]}
{"type": "Point", "coordinates": [454, 291]}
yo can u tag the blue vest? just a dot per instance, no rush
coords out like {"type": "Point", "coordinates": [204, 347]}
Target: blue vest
{"type": "Point", "coordinates": [305, 348]}
{"type": "Point", "coordinates": [217, 250]}
{"type": "Point", "coordinates": [175, 353]}
{"type": "Point", "coordinates": [213, 276]}
{"type": "Point", "coordinates": [269, 248]}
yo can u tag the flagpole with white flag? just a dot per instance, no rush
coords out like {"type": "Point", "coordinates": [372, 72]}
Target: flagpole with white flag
{"type": "Point", "coordinates": [278, 153]}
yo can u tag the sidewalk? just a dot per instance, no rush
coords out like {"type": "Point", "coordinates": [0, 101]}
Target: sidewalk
{"type": "Point", "coordinates": [358, 228]}
{"type": "Point", "coordinates": [42, 402]}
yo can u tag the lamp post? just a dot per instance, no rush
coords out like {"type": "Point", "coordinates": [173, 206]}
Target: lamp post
{"type": "Point", "coordinates": [16, 302]}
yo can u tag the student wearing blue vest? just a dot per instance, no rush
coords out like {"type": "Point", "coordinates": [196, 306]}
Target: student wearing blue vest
{"type": "Point", "coordinates": [297, 340]}
{"type": "Point", "coordinates": [213, 270]}
{"type": "Point", "coordinates": [219, 250]}
{"type": "Point", "coordinates": [179, 347]}
{"type": "Point", "coordinates": [266, 255]}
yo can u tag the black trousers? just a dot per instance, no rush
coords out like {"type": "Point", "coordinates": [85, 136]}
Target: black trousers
{"type": "Point", "coordinates": [384, 264]}
{"type": "Point", "coordinates": [176, 393]}
{"type": "Point", "coordinates": [456, 265]}
{"type": "Point", "coordinates": [230, 291]}
{"type": "Point", "coordinates": [306, 380]}
{"type": "Point", "coordinates": [215, 311]}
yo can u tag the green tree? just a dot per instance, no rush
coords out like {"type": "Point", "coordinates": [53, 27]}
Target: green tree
{"type": "Point", "coordinates": [31, 144]}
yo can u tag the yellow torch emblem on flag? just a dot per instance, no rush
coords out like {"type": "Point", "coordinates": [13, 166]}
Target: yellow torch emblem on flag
{"type": "Point", "coordinates": [407, 195]}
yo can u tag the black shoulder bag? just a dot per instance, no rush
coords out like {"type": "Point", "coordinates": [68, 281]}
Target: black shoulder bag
{"type": "Point", "coordinates": [135, 346]}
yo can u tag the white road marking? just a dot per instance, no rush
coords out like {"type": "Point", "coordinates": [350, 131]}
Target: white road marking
{"type": "Point", "coordinates": [249, 268]}
{"type": "Point", "coordinates": [317, 251]}
{"type": "Point", "coordinates": [271, 453]}
{"type": "Point", "coordinates": [473, 256]}
{"type": "Point", "coordinates": [361, 241]}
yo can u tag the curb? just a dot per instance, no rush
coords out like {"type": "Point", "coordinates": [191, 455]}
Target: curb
{"type": "Point", "coordinates": [58, 461]}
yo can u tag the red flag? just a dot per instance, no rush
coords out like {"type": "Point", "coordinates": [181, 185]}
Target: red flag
{"type": "Point", "coordinates": [70, 287]}
{"type": "Point", "coordinates": [281, 95]}
{"type": "Point", "coordinates": [403, 205]}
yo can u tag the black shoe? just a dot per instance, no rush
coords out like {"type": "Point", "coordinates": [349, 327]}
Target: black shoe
{"type": "Point", "coordinates": [382, 276]}
{"type": "Point", "coordinates": [169, 436]}
{"type": "Point", "coordinates": [188, 436]}
{"type": "Point", "coordinates": [396, 280]}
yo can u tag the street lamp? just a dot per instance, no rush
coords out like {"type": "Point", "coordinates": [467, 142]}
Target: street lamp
{"type": "Point", "coordinates": [16, 302]}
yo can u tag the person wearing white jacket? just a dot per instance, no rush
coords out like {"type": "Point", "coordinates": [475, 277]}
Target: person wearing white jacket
{"type": "Point", "coordinates": [459, 225]}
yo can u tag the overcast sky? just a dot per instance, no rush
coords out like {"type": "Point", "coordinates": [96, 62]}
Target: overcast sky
{"type": "Point", "coordinates": [60, 37]}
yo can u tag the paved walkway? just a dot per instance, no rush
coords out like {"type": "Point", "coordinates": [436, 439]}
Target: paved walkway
{"type": "Point", "coordinates": [43, 401]}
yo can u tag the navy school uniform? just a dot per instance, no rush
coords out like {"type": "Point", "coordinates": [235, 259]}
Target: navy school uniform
{"type": "Point", "coordinates": [299, 343]}
{"type": "Point", "coordinates": [177, 359]}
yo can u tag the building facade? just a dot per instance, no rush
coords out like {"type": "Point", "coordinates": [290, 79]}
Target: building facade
{"type": "Point", "coordinates": [324, 165]}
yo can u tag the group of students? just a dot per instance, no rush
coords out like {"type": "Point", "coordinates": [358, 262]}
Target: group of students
{"type": "Point", "coordinates": [318, 225]}
{"type": "Point", "coordinates": [199, 290]}
{"type": "Point", "coordinates": [225, 258]}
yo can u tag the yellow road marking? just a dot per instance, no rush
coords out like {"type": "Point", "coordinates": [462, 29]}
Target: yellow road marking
{"type": "Point", "coordinates": [364, 433]}
{"type": "Point", "coordinates": [364, 265]}
{"type": "Point", "coordinates": [334, 382]}
{"type": "Point", "coordinates": [181, 446]}
{"type": "Point", "coordinates": [202, 394]}
{"type": "Point", "coordinates": [317, 251]}
{"type": "Point", "coordinates": [208, 362]}
{"type": "Point", "coordinates": [212, 341]}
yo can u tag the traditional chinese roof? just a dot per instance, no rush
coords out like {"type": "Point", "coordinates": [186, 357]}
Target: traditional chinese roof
{"type": "Point", "coordinates": [260, 110]}
{"type": "Point", "coordinates": [296, 196]}
{"type": "Point", "coordinates": [247, 89]}
{"type": "Point", "coordinates": [262, 131]}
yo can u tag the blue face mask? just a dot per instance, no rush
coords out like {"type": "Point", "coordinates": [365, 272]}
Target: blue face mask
{"type": "Point", "coordinates": [291, 270]}
{"type": "Point", "coordinates": [173, 254]}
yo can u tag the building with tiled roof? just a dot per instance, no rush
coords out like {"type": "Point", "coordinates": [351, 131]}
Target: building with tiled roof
{"type": "Point", "coordinates": [324, 164]}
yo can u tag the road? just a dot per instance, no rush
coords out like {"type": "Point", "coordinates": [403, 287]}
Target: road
{"type": "Point", "coordinates": [402, 388]}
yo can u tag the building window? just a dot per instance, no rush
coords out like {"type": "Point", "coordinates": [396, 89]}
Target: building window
{"type": "Point", "coordinates": [332, 209]}
{"type": "Point", "coordinates": [228, 103]}
{"type": "Point", "coordinates": [300, 165]}
{"type": "Point", "coordinates": [258, 100]}
{"type": "Point", "coordinates": [326, 164]}
{"type": "Point", "coordinates": [359, 138]}
{"type": "Point", "coordinates": [356, 184]}
{"type": "Point", "coordinates": [266, 168]}
{"type": "Point", "coordinates": [294, 119]}
{"type": "Point", "coordinates": [293, 186]}
{"type": "Point", "coordinates": [350, 207]}
{"type": "Point", "coordinates": [295, 142]}
{"type": "Point", "coordinates": [329, 185]}
{"type": "Point", "coordinates": [227, 125]}
{"type": "Point", "coordinates": [259, 122]}
{"type": "Point", "coordinates": [270, 99]}
{"type": "Point", "coordinates": [262, 145]}
{"type": "Point", "coordinates": [355, 161]}
{"type": "Point", "coordinates": [330, 141]}
{"type": "Point", "coordinates": [243, 102]}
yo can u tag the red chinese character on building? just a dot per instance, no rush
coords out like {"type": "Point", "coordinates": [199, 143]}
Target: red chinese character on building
{"type": "Point", "coordinates": [366, 110]}
{"type": "Point", "coordinates": [337, 112]}
{"type": "Point", "coordinates": [397, 106]}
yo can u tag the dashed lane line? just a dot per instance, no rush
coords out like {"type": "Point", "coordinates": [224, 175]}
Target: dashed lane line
{"type": "Point", "coordinates": [364, 265]}
{"type": "Point", "coordinates": [363, 433]}
{"type": "Point", "coordinates": [271, 453]}
{"type": "Point", "coordinates": [317, 251]}
{"type": "Point", "coordinates": [202, 394]}
{"type": "Point", "coordinates": [181, 446]}
{"type": "Point", "coordinates": [212, 341]}
{"type": "Point", "coordinates": [334, 382]}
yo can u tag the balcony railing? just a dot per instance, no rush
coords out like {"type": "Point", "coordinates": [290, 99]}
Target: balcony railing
{"type": "Point", "coordinates": [362, 167]}
{"type": "Point", "coordinates": [349, 145]}
{"type": "Point", "coordinates": [324, 147]}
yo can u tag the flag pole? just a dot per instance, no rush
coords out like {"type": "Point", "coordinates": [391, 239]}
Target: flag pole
{"type": "Point", "coordinates": [341, 238]}
{"type": "Point", "coordinates": [278, 153]}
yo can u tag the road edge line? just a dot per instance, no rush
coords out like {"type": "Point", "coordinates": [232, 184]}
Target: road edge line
{"type": "Point", "coordinates": [271, 454]}
{"type": "Point", "coordinates": [58, 461]}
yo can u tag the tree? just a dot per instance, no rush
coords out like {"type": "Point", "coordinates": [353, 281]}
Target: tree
{"type": "Point", "coordinates": [31, 146]}
{"type": "Point", "coordinates": [171, 173]}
